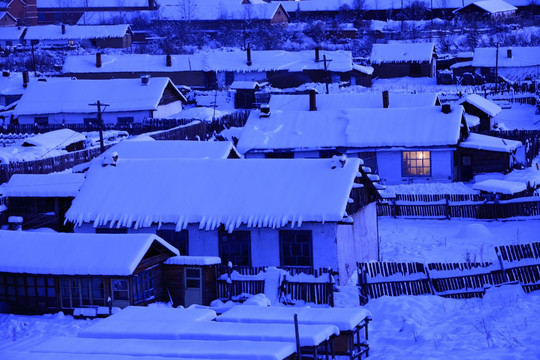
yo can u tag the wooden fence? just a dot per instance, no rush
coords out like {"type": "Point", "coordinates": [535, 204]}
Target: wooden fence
{"type": "Point", "coordinates": [529, 138]}
{"type": "Point", "coordinates": [516, 264]}
{"type": "Point", "coordinates": [289, 289]}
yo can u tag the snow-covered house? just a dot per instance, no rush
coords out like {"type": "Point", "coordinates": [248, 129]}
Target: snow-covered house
{"type": "Point", "coordinates": [218, 68]}
{"type": "Point", "coordinates": [10, 36]}
{"type": "Point", "coordinates": [403, 59]}
{"type": "Point", "coordinates": [64, 36]}
{"type": "Point", "coordinates": [401, 144]}
{"type": "Point", "coordinates": [250, 212]}
{"type": "Point", "coordinates": [42, 200]}
{"type": "Point", "coordinates": [6, 19]}
{"type": "Point", "coordinates": [486, 10]}
{"type": "Point", "coordinates": [124, 101]}
{"type": "Point", "coordinates": [48, 272]}
{"type": "Point", "coordinates": [514, 63]}
{"type": "Point", "coordinates": [481, 108]}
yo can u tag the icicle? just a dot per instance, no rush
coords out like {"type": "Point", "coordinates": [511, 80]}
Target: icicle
{"type": "Point", "coordinates": [250, 221]}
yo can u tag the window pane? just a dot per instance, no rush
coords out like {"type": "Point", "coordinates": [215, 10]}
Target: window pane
{"type": "Point", "coordinates": [296, 247]}
{"type": "Point", "coordinates": [235, 247]}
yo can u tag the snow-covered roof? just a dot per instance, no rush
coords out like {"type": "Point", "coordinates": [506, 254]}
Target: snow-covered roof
{"type": "Point", "coordinates": [176, 316]}
{"type": "Point", "coordinates": [75, 254]}
{"type": "Point", "coordinates": [56, 139]}
{"type": "Point", "coordinates": [112, 16]}
{"type": "Point", "coordinates": [264, 60]}
{"type": "Point", "coordinates": [490, 143]}
{"type": "Point", "coordinates": [208, 10]}
{"type": "Point", "coordinates": [521, 57]}
{"type": "Point", "coordinates": [402, 52]}
{"type": "Point", "coordinates": [44, 185]}
{"type": "Point", "coordinates": [193, 260]}
{"type": "Point", "coordinates": [471, 120]}
{"type": "Point", "coordinates": [11, 32]}
{"type": "Point", "coordinates": [75, 32]}
{"type": "Point", "coordinates": [351, 101]}
{"type": "Point", "coordinates": [353, 128]}
{"type": "Point", "coordinates": [259, 192]}
{"type": "Point", "coordinates": [91, 3]}
{"type": "Point", "coordinates": [172, 149]}
{"type": "Point", "coordinates": [75, 96]}
{"type": "Point", "coordinates": [249, 85]}
{"type": "Point", "coordinates": [13, 84]}
{"type": "Point", "coordinates": [491, 6]}
{"type": "Point", "coordinates": [483, 104]}
{"type": "Point", "coordinates": [500, 186]}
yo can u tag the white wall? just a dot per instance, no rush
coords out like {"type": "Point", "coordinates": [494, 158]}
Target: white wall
{"type": "Point", "coordinates": [164, 111]}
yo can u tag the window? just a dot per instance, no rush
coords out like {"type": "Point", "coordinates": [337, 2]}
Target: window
{"type": "Point", "coordinates": [82, 291]}
{"type": "Point", "coordinates": [142, 286]}
{"type": "Point", "coordinates": [296, 248]}
{"type": "Point", "coordinates": [235, 247]}
{"type": "Point", "coordinates": [178, 239]}
{"type": "Point", "coordinates": [28, 291]}
{"type": "Point", "coordinates": [416, 163]}
{"type": "Point", "coordinates": [120, 289]}
{"type": "Point", "coordinates": [126, 120]}
{"type": "Point", "coordinates": [41, 120]}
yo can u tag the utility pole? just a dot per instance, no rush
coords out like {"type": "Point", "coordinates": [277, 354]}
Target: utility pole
{"type": "Point", "coordinates": [326, 72]}
{"type": "Point", "coordinates": [100, 122]}
{"type": "Point", "coordinates": [32, 43]}
{"type": "Point", "coordinates": [497, 67]}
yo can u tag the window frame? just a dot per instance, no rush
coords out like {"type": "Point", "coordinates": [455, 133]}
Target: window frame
{"type": "Point", "coordinates": [282, 242]}
{"type": "Point", "coordinates": [232, 240]}
{"type": "Point", "coordinates": [407, 167]}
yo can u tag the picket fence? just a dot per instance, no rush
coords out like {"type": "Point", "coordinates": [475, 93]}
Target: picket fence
{"type": "Point", "coordinates": [518, 264]}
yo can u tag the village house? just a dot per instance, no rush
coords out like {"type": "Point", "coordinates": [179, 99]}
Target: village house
{"type": "Point", "coordinates": [6, 19]}
{"type": "Point", "coordinates": [482, 109]}
{"type": "Point", "coordinates": [219, 69]}
{"type": "Point", "coordinates": [41, 200]}
{"type": "Point", "coordinates": [491, 10]}
{"type": "Point", "coordinates": [65, 36]}
{"type": "Point", "coordinates": [123, 101]}
{"type": "Point", "coordinates": [44, 272]}
{"type": "Point", "coordinates": [249, 212]}
{"type": "Point", "coordinates": [512, 63]}
{"type": "Point", "coordinates": [18, 12]}
{"type": "Point", "coordinates": [10, 36]}
{"type": "Point", "coordinates": [403, 59]}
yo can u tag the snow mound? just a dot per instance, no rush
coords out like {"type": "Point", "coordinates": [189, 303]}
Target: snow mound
{"type": "Point", "coordinates": [476, 231]}
{"type": "Point", "coordinates": [258, 300]}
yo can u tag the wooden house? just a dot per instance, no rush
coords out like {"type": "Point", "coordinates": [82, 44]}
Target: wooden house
{"type": "Point", "coordinates": [271, 213]}
{"type": "Point", "coordinates": [491, 10]}
{"type": "Point", "coordinates": [512, 63]}
{"type": "Point", "coordinates": [218, 69]}
{"type": "Point", "coordinates": [49, 272]}
{"type": "Point", "coordinates": [42, 200]}
{"type": "Point", "coordinates": [126, 101]}
{"type": "Point", "coordinates": [68, 36]}
{"type": "Point", "coordinates": [403, 59]}
{"type": "Point", "coordinates": [244, 96]}
{"type": "Point", "coordinates": [484, 109]}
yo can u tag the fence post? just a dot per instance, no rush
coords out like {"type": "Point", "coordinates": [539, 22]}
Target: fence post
{"type": "Point", "coordinates": [331, 286]}
{"type": "Point", "coordinates": [447, 206]}
{"type": "Point", "coordinates": [362, 292]}
{"type": "Point", "coordinates": [505, 279]}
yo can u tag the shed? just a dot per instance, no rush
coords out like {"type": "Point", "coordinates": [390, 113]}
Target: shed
{"type": "Point", "coordinates": [244, 97]}
{"type": "Point", "coordinates": [403, 59]}
{"type": "Point", "coordinates": [483, 108]}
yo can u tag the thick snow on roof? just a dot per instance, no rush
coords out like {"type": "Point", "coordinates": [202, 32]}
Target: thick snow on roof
{"type": "Point", "coordinates": [491, 6]}
{"type": "Point", "coordinates": [91, 3]}
{"type": "Point", "coordinates": [521, 57]}
{"type": "Point", "coordinates": [267, 60]}
{"type": "Point", "coordinates": [350, 101]}
{"type": "Point", "coordinates": [248, 85]}
{"type": "Point", "coordinates": [193, 260]}
{"type": "Point", "coordinates": [75, 32]}
{"type": "Point", "coordinates": [487, 106]}
{"type": "Point", "coordinates": [358, 128]}
{"type": "Point", "coordinates": [500, 186]}
{"type": "Point", "coordinates": [111, 16]}
{"type": "Point", "coordinates": [163, 315]}
{"type": "Point", "coordinates": [13, 84]}
{"type": "Point", "coordinates": [74, 254]}
{"type": "Point", "coordinates": [490, 143]}
{"type": "Point", "coordinates": [172, 149]}
{"type": "Point", "coordinates": [345, 319]}
{"type": "Point", "coordinates": [207, 10]}
{"type": "Point", "coordinates": [55, 139]}
{"type": "Point", "coordinates": [402, 52]}
{"type": "Point", "coordinates": [44, 185]}
{"type": "Point", "coordinates": [471, 120]}
{"type": "Point", "coordinates": [75, 96]}
{"type": "Point", "coordinates": [11, 32]}
{"type": "Point", "coordinates": [210, 192]}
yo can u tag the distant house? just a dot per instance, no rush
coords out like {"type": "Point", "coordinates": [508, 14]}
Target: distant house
{"type": "Point", "coordinates": [18, 12]}
{"type": "Point", "coordinates": [248, 212]}
{"type": "Point", "coordinates": [125, 101]}
{"type": "Point", "coordinates": [244, 95]}
{"type": "Point", "coordinates": [486, 10]}
{"type": "Point", "coordinates": [514, 63]}
{"type": "Point", "coordinates": [6, 19]}
{"type": "Point", "coordinates": [10, 36]}
{"type": "Point", "coordinates": [218, 68]}
{"type": "Point", "coordinates": [42, 200]}
{"type": "Point", "coordinates": [483, 109]}
{"type": "Point", "coordinates": [63, 36]}
{"type": "Point", "coordinates": [403, 59]}
{"type": "Point", "coordinates": [44, 272]}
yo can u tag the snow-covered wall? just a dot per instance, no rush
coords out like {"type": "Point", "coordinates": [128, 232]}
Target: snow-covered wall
{"type": "Point", "coordinates": [167, 110]}
{"type": "Point", "coordinates": [71, 118]}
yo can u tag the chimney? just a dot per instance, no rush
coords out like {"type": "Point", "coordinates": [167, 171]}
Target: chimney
{"type": "Point", "coordinates": [509, 53]}
{"type": "Point", "coordinates": [25, 78]}
{"type": "Point", "coordinates": [98, 60]}
{"type": "Point", "coordinates": [169, 60]}
{"type": "Point", "coordinates": [249, 62]}
{"type": "Point", "coordinates": [446, 108]}
{"type": "Point", "coordinates": [385, 99]}
{"type": "Point", "coordinates": [145, 79]}
{"type": "Point", "coordinates": [317, 58]}
{"type": "Point", "coordinates": [63, 28]}
{"type": "Point", "coordinates": [312, 100]}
